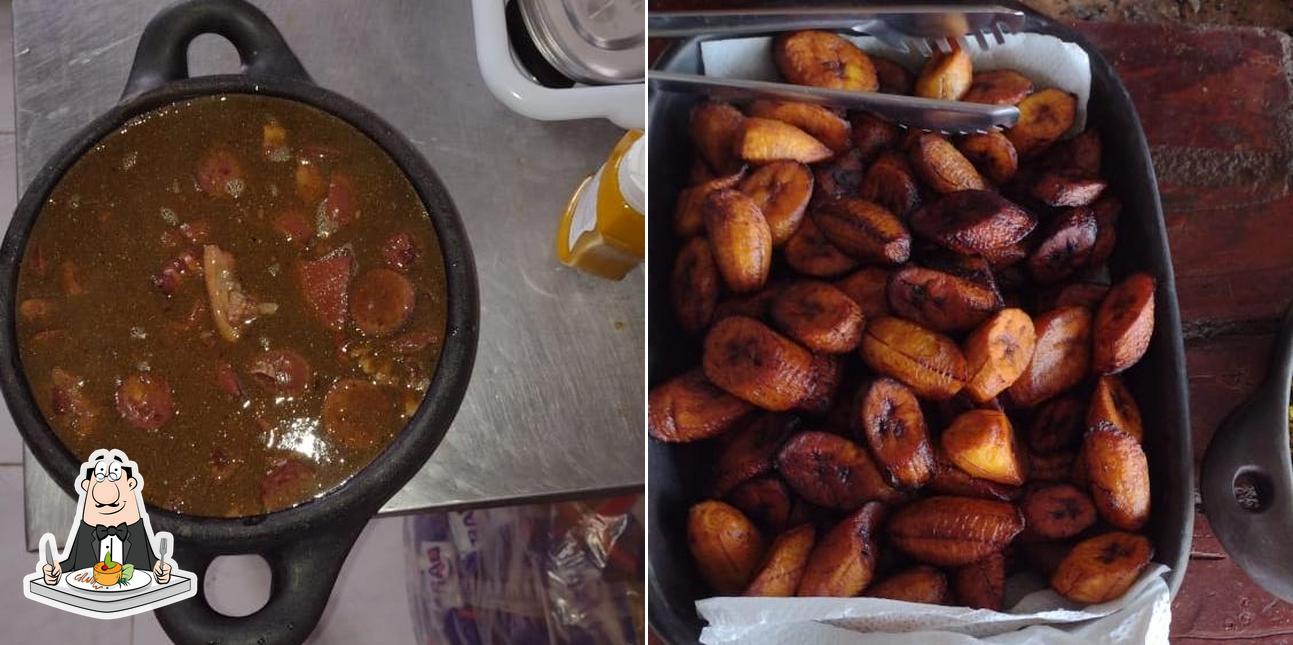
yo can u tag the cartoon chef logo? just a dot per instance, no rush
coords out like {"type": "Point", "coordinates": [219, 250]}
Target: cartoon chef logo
{"type": "Point", "coordinates": [112, 564]}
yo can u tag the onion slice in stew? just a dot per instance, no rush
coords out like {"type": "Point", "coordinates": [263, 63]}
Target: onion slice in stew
{"type": "Point", "coordinates": [230, 307]}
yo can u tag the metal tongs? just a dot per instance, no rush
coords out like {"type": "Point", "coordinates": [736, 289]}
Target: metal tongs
{"type": "Point", "coordinates": [925, 29]}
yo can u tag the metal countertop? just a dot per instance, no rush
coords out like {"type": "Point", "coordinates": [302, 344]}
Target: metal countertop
{"type": "Point", "coordinates": [555, 405]}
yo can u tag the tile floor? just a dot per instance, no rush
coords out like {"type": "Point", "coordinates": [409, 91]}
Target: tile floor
{"type": "Point", "coordinates": [369, 604]}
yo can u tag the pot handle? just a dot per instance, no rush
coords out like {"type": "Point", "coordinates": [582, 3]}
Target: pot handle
{"type": "Point", "coordinates": [162, 55]}
{"type": "Point", "coordinates": [1250, 450]}
{"type": "Point", "coordinates": [302, 575]}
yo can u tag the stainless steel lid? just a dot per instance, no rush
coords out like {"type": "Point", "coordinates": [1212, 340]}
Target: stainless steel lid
{"type": "Point", "coordinates": [598, 42]}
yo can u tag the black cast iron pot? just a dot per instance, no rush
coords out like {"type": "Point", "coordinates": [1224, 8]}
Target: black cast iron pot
{"type": "Point", "coordinates": [306, 545]}
{"type": "Point", "coordinates": [1158, 382]}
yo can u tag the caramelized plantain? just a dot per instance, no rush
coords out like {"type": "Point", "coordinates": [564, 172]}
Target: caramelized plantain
{"type": "Point", "coordinates": [1051, 466]}
{"type": "Point", "coordinates": [839, 177]}
{"type": "Point", "coordinates": [688, 407]}
{"type": "Point", "coordinates": [869, 288]}
{"type": "Point", "coordinates": [750, 451]}
{"type": "Point", "coordinates": [982, 584]}
{"type": "Point", "coordinates": [819, 316]}
{"type": "Point", "coordinates": [751, 305]}
{"type": "Point", "coordinates": [1057, 424]}
{"type": "Point", "coordinates": [942, 166]}
{"type": "Point", "coordinates": [991, 153]}
{"type": "Point", "coordinates": [1112, 403]}
{"type": "Point", "coordinates": [1079, 156]}
{"type": "Point", "coordinates": [945, 76]}
{"type": "Point", "coordinates": [781, 190]}
{"type": "Point", "coordinates": [893, 78]}
{"type": "Point", "coordinates": [983, 444]}
{"type": "Point", "coordinates": [921, 583]}
{"type": "Point", "coordinates": [998, 352]}
{"type": "Point", "coordinates": [810, 253]}
{"type": "Point", "coordinates": [1124, 324]}
{"type": "Point", "coordinates": [762, 140]}
{"type": "Point", "coordinates": [726, 546]}
{"type": "Point", "coordinates": [828, 371]}
{"type": "Point", "coordinates": [950, 480]}
{"type": "Point", "coordinates": [941, 301]}
{"type": "Point", "coordinates": [694, 285]}
{"type": "Point", "coordinates": [1081, 294]}
{"type": "Point", "coordinates": [740, 239]}
{"type": "Point", "coordinates": [1102, 568]}
{"type": "Point", "coordinates": [714, 127]}
{"type": "Point", "coordinates": [973, 222]}
{"type": "Point", "coordinates": [825, 60]}
{"type": "Point", "coordinates": [998, 87]}
{"type": "Point", "coordinates": [754, 363]}
{"type": "Point", "coordinates": [1119, 476]}
{"type": "Point", "coordinates": [1057, 511]}
{"type": "Point", "coordinates": [820, 122]}
{"type": "Point", "coordinates": [689, 214]}
{"type": "Point", "coordinates": [1106, 211]}
{"type": "Point", "coordinates": [843, 562]}
{"type": "Point", "coordinates": [1065, 246]}
{"type": "Point", "coordinates": [926, 361]}
{"type": "Point", "coordinates": [829, 470]}
{"type": "Point", "coordinates": [889, 183]}
{"type": "Point", "coordinates": [766, 500]}
{"type": "Point", "coordinates": [784, 564]}
{"type": "Point", "coordinates": [1061, 356]}
{"type": "Point", "coordinates": [864, 230]}
{"type": "Point", "coordinates": [872, 135]}
{"type": "Point", "coordinates": [1063, 190]}
{"type": "Point", "coordinates": [954, 531]}
{"type": "Point", "coordinates": [1044, 117]}
{"type": "Point", "coordinates": [894, 427]}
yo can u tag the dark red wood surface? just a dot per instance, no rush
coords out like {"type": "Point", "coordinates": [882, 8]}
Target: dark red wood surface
{"type": "Point", "coordinates": [1217, 108]}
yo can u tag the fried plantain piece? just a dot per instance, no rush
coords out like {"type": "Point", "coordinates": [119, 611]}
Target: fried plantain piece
{"type": "Point", "coordinates": [1081, 294]}
{"type": "Point", "coordinates": [784, 564]}
{"type": "Point", "coordinates": [1124, 324]}
{"type": "Point", "coordinates": [869, 288]}
{"type": "Point", "coordinates": [945, 76]}
{"type": "Point", "coordinates": [872, 134]}
{"type": "Point", "coordinates": [1061, 356]}
{"type": "Point", "coordinates": [828, 371]}
{"type": "Point", "coordinates": [1119, 476]}
{"type": "Point", "coordinates": [843, 562]}
{"type": "Point", "coordinates": [942, 166]}
{"type": "Point", "coordinates": [998, 352]}
{"type": "Point", "coordinates": [751, 305]}
{"type": "Point", "coordinates": [954, 531]}
{"type": "Point", "coordinates": [781, 190]}
{"type": "Point", "coordinates": [950, 480]}
{"type": "Point", "coordinates": [831, 471]}
{"type": "Point", "coordinates": [714, 127]}
{"type": "Point", "coordinates": [921, 583]}
{"type": "Point", "coordinates": [1063, 190]}
{"type": "Point", "coordinates": [823, 59]}
{"type": "Point", "coordinates": [750, 451]}
{"type": "Point", "coordinates": [839, 177]}
{"type": "Point", "coordinates": [1079, 156]}
{"type": "Point", "coordinates": [820, 122]}
{"type": "Point", "coordinates": [740, 239]}
{"type": "Point", "coordinates": [864, 230]}
{"type": "Point", "coordinates": [688, 407]}
{"type": "Point", "coordinates": [1065, 246]}
{"type": "Point", "coordinates": [762, 140]}
{"type": "Point", "coordinates": [998, 87]}
{"type": "Point", "coordinates": [982, 584]}
{"type": "Point", "coordinates": [1051, 466]}
{"type": "Point", "coordinates": [1044, 117]}
{"type": "Point", "coordinates": [1106, 211]}
{"type": "Point", "coordinates": [973, 222]}
{"type": "Point", "coordinates": [694, 285]}
{"type": "Point", "coordinates": [725, 544]}
{"type": "Point", "coordinates": [893, 78]}
{"type": "Point", "coordinates": [889, 182]}
{"type": "Point", "coordinates": [821, 317]}
{"type": "Point", "coordinates": [1112, 403]}
{"type": "Point", "coordinates": [754, 363]}
{"type": "Point", "coordinates": [810, 253]}
{"type": "Point", "coordinates": [766, 500]}
{"type": "Point", "coordinates": [941, 301]}
{"type": "Point", "coordinates": [991, 153]}
{"type": "Point", "coordinates": [1057, 511]}
{"type": "Point", "coordinates": [1057, 424]}
{"type": "Point", "coordinates": [983, 444]}
{"type": "Point", "coordinates": [894, 427]}
{"type": "Point", "coordinates": [926, 361]}
{"type": "Point", "coordinates": [689, 214]}
{"type": "Point", "coordinates": [1102, 568]}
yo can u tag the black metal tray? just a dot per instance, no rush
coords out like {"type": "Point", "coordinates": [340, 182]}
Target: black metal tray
{"type": "Point", "coordinates": [1158, 381]}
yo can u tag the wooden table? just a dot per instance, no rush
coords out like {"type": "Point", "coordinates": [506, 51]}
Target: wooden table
{"type": "Point", "coordinates": [1217, 108]}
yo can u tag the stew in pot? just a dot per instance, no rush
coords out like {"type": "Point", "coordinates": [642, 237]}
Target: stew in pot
{"type": "Point", "coordinates": [243, 292]}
